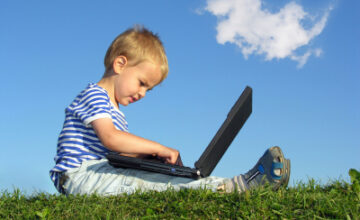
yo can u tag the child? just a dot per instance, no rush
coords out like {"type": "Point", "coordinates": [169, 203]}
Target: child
{"type": "Point", "coordinates": [135, 63]}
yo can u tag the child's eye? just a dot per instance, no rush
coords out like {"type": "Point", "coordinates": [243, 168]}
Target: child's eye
{"type": "Point", "coordinates": [142, 83]}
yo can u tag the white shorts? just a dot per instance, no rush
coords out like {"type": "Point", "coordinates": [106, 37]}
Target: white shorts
{"type": "Point", "coordinates": [97, 176]}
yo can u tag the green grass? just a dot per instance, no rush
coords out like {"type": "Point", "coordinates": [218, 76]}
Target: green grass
{"type": "Point", "coordinates": [337, 200]}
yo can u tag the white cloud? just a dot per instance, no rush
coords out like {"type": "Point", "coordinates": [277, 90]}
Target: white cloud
{"type": "Point", "coordinates": [258, 31]}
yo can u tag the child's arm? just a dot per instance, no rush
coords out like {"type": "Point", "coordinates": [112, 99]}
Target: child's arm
{"type": "Point", "coordinates": [125, 142]}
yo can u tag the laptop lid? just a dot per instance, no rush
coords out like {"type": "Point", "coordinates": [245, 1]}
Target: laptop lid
{"type": "Point", "coordinates": [236, 118]}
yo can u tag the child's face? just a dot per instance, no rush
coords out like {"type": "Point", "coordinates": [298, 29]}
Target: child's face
{"type": "Point", "coordinates": [132, 83]}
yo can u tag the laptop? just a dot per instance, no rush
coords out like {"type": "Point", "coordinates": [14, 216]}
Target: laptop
{"type": "Point", "coordinates": [207, 162]}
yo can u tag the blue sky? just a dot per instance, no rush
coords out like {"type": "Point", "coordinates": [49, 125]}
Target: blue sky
{"type": "Point", "coordinates": [301, 58]}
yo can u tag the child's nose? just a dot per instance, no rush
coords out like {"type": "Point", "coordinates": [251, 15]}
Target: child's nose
{"type": "Point", "coordinates": [142, 92]}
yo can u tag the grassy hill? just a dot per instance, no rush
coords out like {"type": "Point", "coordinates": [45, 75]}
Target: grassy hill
{"type": "Point", "coordinates": [337, 200]}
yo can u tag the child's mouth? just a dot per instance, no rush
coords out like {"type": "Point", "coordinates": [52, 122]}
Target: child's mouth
{"type": "Point", "coordinates": [133, 99]}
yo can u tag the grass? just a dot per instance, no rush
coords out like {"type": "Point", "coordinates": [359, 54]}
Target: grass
{"type": "Point", "coordinates": [337, 200]}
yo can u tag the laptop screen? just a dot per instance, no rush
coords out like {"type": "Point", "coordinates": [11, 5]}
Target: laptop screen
{"type": "Point", "coordinates": [236, 118]}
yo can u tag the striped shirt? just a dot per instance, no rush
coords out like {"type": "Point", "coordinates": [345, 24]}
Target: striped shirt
{"type": "Point", "coordinates": [77, 141]}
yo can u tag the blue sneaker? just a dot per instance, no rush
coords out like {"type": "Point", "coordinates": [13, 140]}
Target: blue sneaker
{"type": "Point", "coordinates": [272, 167]}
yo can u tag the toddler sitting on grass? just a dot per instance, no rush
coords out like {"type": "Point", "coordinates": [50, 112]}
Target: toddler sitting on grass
{"type": "Point", "coordinates": [135, 63]}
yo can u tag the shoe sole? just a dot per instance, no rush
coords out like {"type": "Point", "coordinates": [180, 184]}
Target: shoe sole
{"type": "Point", "coordinates": [287, 172]}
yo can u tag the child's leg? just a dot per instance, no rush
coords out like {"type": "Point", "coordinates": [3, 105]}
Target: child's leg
{"type": "Point", "coordinates": [272, 167]}
{"type": "Point", "coordinates": [98, 176]}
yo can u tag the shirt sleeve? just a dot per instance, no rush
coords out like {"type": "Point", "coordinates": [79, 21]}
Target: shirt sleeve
{"type": "Point", "coordinates": [92, 105]}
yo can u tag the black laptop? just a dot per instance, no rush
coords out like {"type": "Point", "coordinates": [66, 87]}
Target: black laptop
{"type": "Point", "coordinates": [207, 162]}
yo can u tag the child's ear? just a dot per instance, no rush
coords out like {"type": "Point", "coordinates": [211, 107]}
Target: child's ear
{"type": "Point", "coordinates": [119, 64]}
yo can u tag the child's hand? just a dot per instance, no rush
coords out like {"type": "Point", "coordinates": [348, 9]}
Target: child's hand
{"type": "Point", "coordinates": [170, 155]}
{"type": "Point", "coordinates": [129, 144]}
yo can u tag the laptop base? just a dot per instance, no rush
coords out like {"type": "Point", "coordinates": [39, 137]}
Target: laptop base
{"type": "Point", "coordinates": [119, 161]}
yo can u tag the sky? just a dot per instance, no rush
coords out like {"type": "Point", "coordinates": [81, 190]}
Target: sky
{"type": "Point", "coordinates": [301, 58]}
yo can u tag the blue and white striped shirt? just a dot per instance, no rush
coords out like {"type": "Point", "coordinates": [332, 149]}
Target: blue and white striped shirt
{"type": "Point", "coordinates": [77, 141]}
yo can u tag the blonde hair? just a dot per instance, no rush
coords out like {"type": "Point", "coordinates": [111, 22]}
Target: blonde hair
{"type": "Point", "coordinates": [137, 44]}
